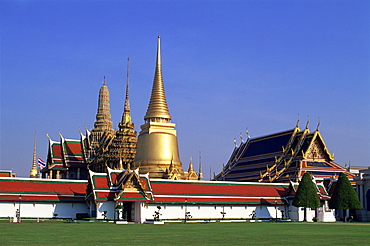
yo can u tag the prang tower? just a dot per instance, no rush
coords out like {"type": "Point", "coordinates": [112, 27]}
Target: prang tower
{"type": "Point", "coordinates": [103, 123]}
{"type": "Point", "coordinates": [157, 147]}
{"type": "Point", "coordinates": [97, 140]}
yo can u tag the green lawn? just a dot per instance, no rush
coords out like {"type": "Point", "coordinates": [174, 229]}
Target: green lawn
{"type": "Point", "coordinates": [242, 233]}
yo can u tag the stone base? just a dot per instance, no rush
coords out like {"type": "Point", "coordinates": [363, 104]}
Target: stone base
{"type": "Point", "coordinates": [119, 222]}
{"type": "Point", "coordinates": [154, 222]}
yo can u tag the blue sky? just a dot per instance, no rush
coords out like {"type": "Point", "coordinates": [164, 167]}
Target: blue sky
{"type": "Point", "coordinates": [227, 66]}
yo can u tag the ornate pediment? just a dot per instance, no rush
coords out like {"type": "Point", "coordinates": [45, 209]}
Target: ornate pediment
{"type": "Point", "coordinates": [317, 149]}
{"type": "Point", "coordinates": [316, 152]}
{"type": "Point", "coordinates": [132, 183]}
{"type": "Point", "coordinates": [191, 175]}
{"type": "Point", "coordinates": [174, 174]}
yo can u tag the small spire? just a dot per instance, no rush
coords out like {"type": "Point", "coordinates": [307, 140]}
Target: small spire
{"type": "Point", "coordinates": [191, 169]}
{"type": "Point", "coordinates": [200, 175]}
{"type": "Point", "coordinates": [104, 82]}
{"type": "Point", "coordinates": [247, 132]}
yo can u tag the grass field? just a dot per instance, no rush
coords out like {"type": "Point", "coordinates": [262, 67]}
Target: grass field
{"type": "Point", "coordinates": [242, 233]}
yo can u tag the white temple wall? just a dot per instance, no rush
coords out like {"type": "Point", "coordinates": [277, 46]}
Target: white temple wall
{"type": "Point", "coordinates": [176, 212]}
{"type": "Point", "coordinates": [43, 210]}
{"type": "Point", "coordinates": [105, 206]}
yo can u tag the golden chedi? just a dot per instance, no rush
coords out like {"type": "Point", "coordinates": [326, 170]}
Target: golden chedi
{"type": "Point", "coordinates": [157, 147]}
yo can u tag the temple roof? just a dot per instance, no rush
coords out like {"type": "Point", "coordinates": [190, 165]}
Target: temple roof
{"type": "Point", "coordinates": [64, 154]}
{"type": "Point", "coordinates": [281, 157]}
{"type": "Point", "coordinates": [213, 192]}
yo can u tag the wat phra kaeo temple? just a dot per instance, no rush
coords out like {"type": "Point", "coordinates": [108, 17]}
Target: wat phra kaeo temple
{"type": "Point", "coordinates": [117, 174]}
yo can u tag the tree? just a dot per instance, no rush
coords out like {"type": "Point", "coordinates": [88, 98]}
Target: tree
{"type": "Point", "coordinates": [344, 196]}
{"type": "Point", "coordinates": [306, 196]}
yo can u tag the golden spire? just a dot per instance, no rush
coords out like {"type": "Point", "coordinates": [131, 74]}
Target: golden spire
{"type": "Point", "coordinates": [33, 172]}
{"type": "Point", "coordinates": [126, 117]}
{"type": "Point", "coordinates": [158, 105]}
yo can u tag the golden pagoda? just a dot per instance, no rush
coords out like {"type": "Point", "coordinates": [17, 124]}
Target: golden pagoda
{"type": "Point", "coordinates": [157, 147]}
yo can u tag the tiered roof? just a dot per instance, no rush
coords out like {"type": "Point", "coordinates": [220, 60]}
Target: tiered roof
{"type": "Point", "coordinates": [55, 156]}
{"type": "Point", "coordinates": [73, 153]}
{"type": "Point", "coordinates": [64, 154]}
{"type": "Point", "coordinates": [281, 157]}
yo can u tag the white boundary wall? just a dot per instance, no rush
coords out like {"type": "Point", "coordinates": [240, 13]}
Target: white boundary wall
{"type": "Point", "coordinates": [176, 212]}
{"type": "Point", "coordinates": [43, 210]}
{"type": "Point", "coordinates": [143, 212]}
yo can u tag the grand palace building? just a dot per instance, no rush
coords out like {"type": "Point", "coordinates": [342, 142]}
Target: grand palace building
{"type": "Point", "coordinates": [134, 177]}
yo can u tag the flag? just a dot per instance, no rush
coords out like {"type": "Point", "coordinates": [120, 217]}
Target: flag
{"type": "Point", "coordinates": [41, 163]}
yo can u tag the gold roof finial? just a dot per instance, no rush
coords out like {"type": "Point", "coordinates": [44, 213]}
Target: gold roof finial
{"type": "Point", "coordinates": [247, 132]}
{"type": "Point", "coordinates": [297, 124]}
{"type": "Point", "coordinates": [158, 104]}
{"type": "Point", "coordinates": [308, 121]}
{"type": "Point", "coordinates": [318, 124]}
